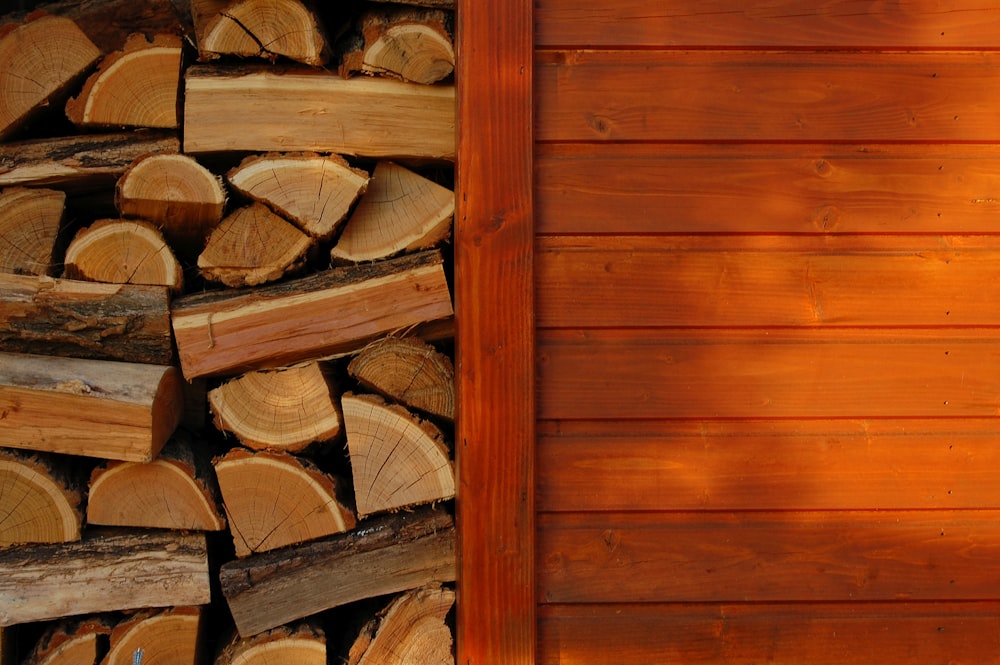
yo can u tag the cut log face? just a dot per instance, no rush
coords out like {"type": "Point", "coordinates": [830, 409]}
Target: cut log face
{"type": "Point", "coordinates": [165, 637]}
{"type": "Point", "coordinates": [411, 629]}
{"type": "Point", "coordinates": [177, 490]}
{"type": "Point", "coordinates": [258, 28]}
{"type": "Point", "coordinates": [135, 87]}
{"type": "Point", "coordinates": [253, 246]}
{"type": "Point", "coordinates": [410, 44]}
{"type": "Point", "coordinates": [112, 410]}
{"type": "Point", "coordinates": [274, 499]}
{"type": "Point", "coordinates": [396, 460]}
{"type": "Point", "coordinates": [410, 371]}
{"type": "Point", "coordinates": [30, 220]}
{"type": "Point", "coordinates": [313, 191]}
{"type": "Point", "coordinates": [37, 504]}
{"type": "Point", "coordinates": [38, 63]}
{"type": "Point", "coordinates": [285, 409]}
{"type": "Point", "coordinates": [299, 645]}
{"type": "Point", "coordinates": [119, 251]}
{"type": "Point", "coordinates": [401, 211]}
{"type": "Point", "coordinates": [72, 642]}
{"type": "Point", "coordinates": [178, 194]}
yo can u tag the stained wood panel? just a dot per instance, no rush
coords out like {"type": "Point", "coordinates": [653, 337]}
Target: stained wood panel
{"type": "Point", "coordinates": [774, 96]}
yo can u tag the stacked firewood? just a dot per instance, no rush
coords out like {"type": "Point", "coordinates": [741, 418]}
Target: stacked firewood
{"type": "Point", "coordinates": [226, 386]}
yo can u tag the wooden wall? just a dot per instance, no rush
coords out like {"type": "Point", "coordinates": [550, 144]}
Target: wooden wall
{"type": "Point", "coordinates": [768, 331]}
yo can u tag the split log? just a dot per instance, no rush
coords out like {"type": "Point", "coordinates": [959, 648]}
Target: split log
{"type": "Point", "coordinates": [397, 460]}
{"type": "Point", "coordinates": [308, 318]}
{"type": "Point", "coordinates": [72, 642]}
{"type": "Point", "coordinates": [314, 191]}
{"type": "Point", "coordinates": [253, 246]}
{"type": "Point", "coordinates": [30, 220]}
{"type": "Point", "coordinates": [177, 490]}
{"type": "Point", "coordinates": [94, 408]}
{"type": "Point", "coordinates": [301, 644]}
{"type": "Point", "coordinates": [120, 251]}
{"type": "Point", "coordinates": [274, 500]}
{"type": "Point", "coordinates": [39, 62]}
{"type": "Point", "coordinates": [135, 87]}
{"type": "Point", "coordinates": [404, 42]}
{"type": "Point", "coordinates": [166, 636]}
{"type": "Point", "coordinates": [286, 409]}
{"type": "Point", "coordinates": [265, 110]}
{"type": "Point", "coordinates": [40, 502]}
{"type": "Point", "coordinates": [410, 371]}
{"type": "Point", "coordinates": [176, 193]}
{"type": "Point", "coordinates": [411, 629]}
{"type": "Point", "coordinates": [408, 549]}
{"type": "Point", "coordinates": [401, 211]}
{"type": "Point", "coordinates": [258, 28]}
{"type": "Point", "coordinates": [108, 570]}
{"type": "Point", "coordinates": [62, 317]}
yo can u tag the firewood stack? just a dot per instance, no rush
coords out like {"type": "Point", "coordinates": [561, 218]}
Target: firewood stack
{"type": "Point", "coordinates": [226, 391]}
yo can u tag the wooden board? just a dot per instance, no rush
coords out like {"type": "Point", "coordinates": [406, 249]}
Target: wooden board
{"type": "Point", "coordinates": [767, 557]}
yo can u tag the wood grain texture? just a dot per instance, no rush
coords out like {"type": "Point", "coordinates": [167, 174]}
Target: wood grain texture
{"type": "Point", "coordinates": [494, 235]}
{"type": "Point", "coordinates": [771, 96]}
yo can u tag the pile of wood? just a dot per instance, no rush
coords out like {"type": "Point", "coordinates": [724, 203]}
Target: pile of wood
{"type": "Point", "coordinates": [226, 386]}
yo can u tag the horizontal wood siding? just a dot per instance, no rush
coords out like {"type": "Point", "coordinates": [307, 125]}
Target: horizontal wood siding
{"type": "Point", "coordinates": [768, 346]}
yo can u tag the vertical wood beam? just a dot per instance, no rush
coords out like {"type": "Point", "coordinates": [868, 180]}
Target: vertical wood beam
{"type": "Point", "coordinates": [494, 302]}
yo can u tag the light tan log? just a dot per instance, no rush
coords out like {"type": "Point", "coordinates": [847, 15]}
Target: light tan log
{"type": "Point", "coordinates": [108, 570]}
{"type": "Point", "coordinates": [258, 28]}
{"type": "Point", "coordinates": [262, 110]}
{"type": "Point", "coordinates": [253, 246]}
{"type": "Point", "coordinates": [410, 371]}
{"type": "Point", "coordinates": [64, 317]}
{"type": "Point", "coordinates": [411, 629]}
{"type": "Point", "coordinates": [163, 636]}
{"type": "Point", "coordinates": [123, 251]}
{"type": "Point", "coordinates": [177, 490]}
{"type": "Point", "coordinates": [401, 211]}
{"type": "Point", "coordinates": [30, 220]}
{"type": "Point", "coordinates": [284, 409]}
{"type": "Point", "coordinates": [39, 501]}
{"type": "Point", "coordinates": [308, 318]}
{"type": "Point", "coordinates": [313, 191]}
{"type": "Point", "coordinates": [94, 408]}
{"type": "Point", "coordinates": [273, 499]}
{"type": "Point", "coordinates": [39, 62]}
{"type": "Point", "coordinates": [409, 549]}
{"type": "Point", "coordinates": [397, 460]}
{"type": "Point", "coordinates": [72, 642]}
{"type": "Point", "coordinates": [298, 644]}
{"type": "Point", "coordinates": [182, 197]}
{"type": "Point", "coordinates": [403, 42]}
{"type": "Point", "coordinates": [135, 87]}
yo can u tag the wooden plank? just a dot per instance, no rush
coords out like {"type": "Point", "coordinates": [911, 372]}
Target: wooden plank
{"type": "Point", "coordinates": [767, 465]}
{"type": "Point", "coordinates": [870, 372]}
{"type": "Point", "coordinates": [959, 633]}
{"type": "Point", "coordinates": [767, 557]}
{"type": "Point", "coordinates": [615, 281]}
{"type": "Point", "coordinates": [495, 362]}
{"type": "Point", "coordinates": [813, 188]}
{"type": "Point", "coordinates": [772, 96]}
{"type": "Point", "coordinates": [109, 570]}
{"type": "Point", "coordinates": [785, 23]}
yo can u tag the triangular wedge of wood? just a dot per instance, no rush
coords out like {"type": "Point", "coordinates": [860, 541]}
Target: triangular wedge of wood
{"type": "Point", "coordinates": [410, 371]}
{"type": "Point", "coordinates": [123, 251]}
{"type": "Point", "coordinates": [273, 499]}
{"type": "Point", "coordinates": [298, 644]}
{"type": "Point", "coordinates": [405, 42]}
{"type": "Point", "coordinates": [162, 636]}
{"type": "Point", "coordinates": [40, 502]}
{"type": "Point", "coordinates": [72, 642]}
{"type": "Point", "coordinates": [258, 28]}
{"type": "Point", "coordinates": [397, 460]}
{"type": "Point", "coordinates": [30, 220]}
{"type": "Point", "coordinates": [411, 629]}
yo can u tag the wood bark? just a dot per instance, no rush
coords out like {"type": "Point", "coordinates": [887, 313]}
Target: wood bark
{"type": "Point", "coordinates": [123, 251]}
{"type": "Point", "coordinates": [410, 371]}
{"type": "Point", "coordinates": [322, 314]}
{"type": "Point", "coordinates": [62, 317]}
{"type": "Point", "coordinates": [30, 220]}
{"type": "Point", "coordinates": [259, 28]}
{"type": "Point", "coordinates": [108, 570]}
{"type": "Point", "coordinates": [177, 490]}
{"type": "Point", "coordinates": [274, 500]}
{"type": "Point", "coordinates": [397, 460]}
{"type": "Point", "coordinates": [72, 642]}
{"type": "Point", "coordinates": [259, 110]}
{"type": "Point", "coordinates": [403, 42]}
{"type": "Point", "coordinates": [298, 644]}
{"type": "Point", "coordinates": [147, 73]}
{"type": "Point", "coordinates": [40, 502]}
{"type": "Point", "coordinates": [94, 408]}
{"type": "Point", "coordinates": [408, 549]}
{"type": "Point", "coordinates": [162, 636]}
{"type": "Point", "coordinates": [411, 629]}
